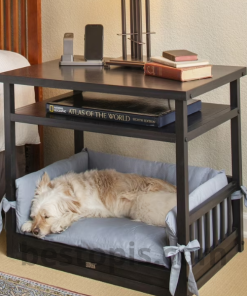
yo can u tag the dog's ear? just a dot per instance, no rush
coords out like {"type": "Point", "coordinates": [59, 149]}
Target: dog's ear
{"type": "Point", "coordinates": [45, 180]}
{"type": "Point", "coordinates": [43, 183]}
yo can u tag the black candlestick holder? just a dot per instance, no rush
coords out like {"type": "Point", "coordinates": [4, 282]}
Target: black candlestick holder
{"type": "Point", "coordinates": [136, 59]}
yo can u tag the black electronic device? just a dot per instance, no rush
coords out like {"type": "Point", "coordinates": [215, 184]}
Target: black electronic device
{"type": "Point", "coordinates": [94, 40]}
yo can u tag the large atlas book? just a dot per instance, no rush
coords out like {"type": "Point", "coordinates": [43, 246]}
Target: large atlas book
{"type": "Point", "coordinates": [120, 108]}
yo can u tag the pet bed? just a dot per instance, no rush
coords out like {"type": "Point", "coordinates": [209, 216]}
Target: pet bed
{"type": "Point", "coordinates": [121, 237]}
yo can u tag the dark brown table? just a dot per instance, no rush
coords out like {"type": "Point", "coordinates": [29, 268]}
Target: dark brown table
{"type": "Point", "coordinates": [135, 275]}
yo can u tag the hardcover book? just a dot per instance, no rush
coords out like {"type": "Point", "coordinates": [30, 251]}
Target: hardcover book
{"type": "Point", "coordinates": [184, 74]}
{"type": "Point", "coordinates": [180, 55]}
{"type": "Point", "coordinates": [120, 108]}
{"type": "Point", "coordinates": [167, 62]}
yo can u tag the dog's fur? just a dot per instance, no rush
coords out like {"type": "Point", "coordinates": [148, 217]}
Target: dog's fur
{"type": "Point", "coordinates": [66, 199]}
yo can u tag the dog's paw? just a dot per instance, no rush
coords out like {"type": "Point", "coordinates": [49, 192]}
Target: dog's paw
{"type": "Point", "coordinates": [27, 227]}
{"type": "Point", "coordinates": [57, 229]}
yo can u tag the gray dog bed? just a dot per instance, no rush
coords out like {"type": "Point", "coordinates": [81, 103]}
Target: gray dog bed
{"type": "Point", "coordinates": [120, 237]}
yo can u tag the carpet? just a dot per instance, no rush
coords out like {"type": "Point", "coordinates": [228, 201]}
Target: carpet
{"type": "Point", "coordinates": [17, 286]}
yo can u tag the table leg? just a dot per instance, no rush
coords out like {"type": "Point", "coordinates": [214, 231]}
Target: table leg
{"type": "Point", "coordinates": [78, 141]}
{"type": "Point", "coordinates": [182, 188]}
{"type": "Point", "coordinates": [10, 162]}
{"type": "Point", "coordinates": [237, 160]}
{"type": "Point", "coordinates": [78, 136]}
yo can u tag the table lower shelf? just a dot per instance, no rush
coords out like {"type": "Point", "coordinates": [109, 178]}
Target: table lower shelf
{"type": "Point", "coordinates": [210, 116]}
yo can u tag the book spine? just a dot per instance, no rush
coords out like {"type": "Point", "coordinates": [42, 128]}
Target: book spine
{"type": "Point", "coordinates": [160, 71]}
{"type": "Point", "coordinates": [103, 115]}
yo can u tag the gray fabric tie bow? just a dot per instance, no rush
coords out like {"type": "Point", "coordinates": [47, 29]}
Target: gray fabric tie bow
{"type": "Point", "coordinates": [238, 194]}
{"type": "Point", "coordinates": [176, 265]}
{"type": "Point", "coordinates": [5, 205]}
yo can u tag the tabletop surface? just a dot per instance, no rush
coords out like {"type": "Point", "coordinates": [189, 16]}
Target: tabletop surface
{"type": "Point", "coordinates": [116, 77]}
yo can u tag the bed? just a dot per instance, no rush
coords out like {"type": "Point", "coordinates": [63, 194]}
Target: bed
{"type": "Point", "coordinates": [114, 236]}
{"type": "Point", "coordinates": [20, 46]}
{"type": "Point", "coordinates": [129, 249]}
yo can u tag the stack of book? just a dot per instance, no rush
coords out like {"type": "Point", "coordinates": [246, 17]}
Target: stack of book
{"type": "Point", "coordinates": [181, 65]}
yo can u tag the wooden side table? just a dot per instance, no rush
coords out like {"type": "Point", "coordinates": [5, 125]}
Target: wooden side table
{"type": "Point", "coordinates": [144, 277]}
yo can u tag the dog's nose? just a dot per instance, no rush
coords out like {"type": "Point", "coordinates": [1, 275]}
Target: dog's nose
{"type": "Point", "coordinates": [36, 231]}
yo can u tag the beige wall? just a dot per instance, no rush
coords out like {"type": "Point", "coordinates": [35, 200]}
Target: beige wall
{"type": "Point", "coordinates": [216, 30]}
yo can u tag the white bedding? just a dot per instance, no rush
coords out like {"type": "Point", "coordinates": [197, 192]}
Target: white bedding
{"type": "Point", "coordinates": [24, 95]}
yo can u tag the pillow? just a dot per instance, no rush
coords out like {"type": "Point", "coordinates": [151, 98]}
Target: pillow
{"type": "Point", "coordinates": [160, 170]}
{"type": "Point", "coordinates": [24, 95]}
{"type": "Point", "coordinates": [198, 196]}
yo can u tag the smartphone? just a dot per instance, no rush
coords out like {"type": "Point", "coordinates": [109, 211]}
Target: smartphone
{"type": "Point", "coordinates": [94, 41]}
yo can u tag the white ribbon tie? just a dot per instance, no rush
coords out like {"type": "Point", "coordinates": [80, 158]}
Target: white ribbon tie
{"type": "Point", "coordinates": [176, 265]}
{"type": "Point", "coordinates": [5, 205]}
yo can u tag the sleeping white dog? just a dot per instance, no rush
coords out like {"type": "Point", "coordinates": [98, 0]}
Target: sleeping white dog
{"type": "Point", "coordinates": [68, 198]}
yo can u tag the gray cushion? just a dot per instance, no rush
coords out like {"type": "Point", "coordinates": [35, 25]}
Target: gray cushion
{"type": "Point", "coordinates": [198, 196]}
{"type": "Point", "coordinates": [116, 236]}
{"type": "Point", "coordinates": [160, 170]}
{"type": "Point", "coordinates": [119, 237]}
